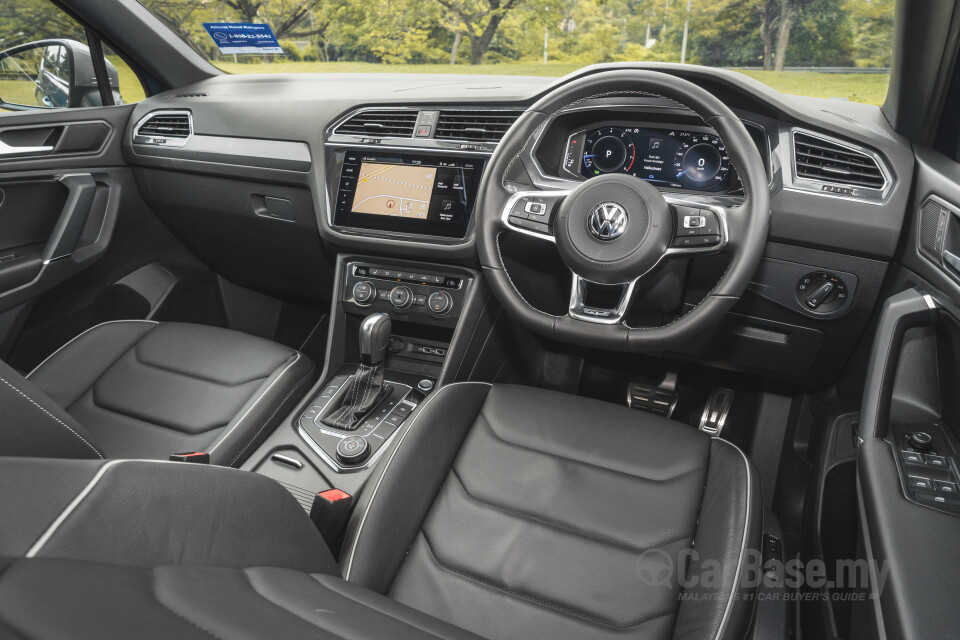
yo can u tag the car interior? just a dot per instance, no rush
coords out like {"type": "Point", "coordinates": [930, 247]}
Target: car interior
{"type": "Point", "coordinates": [651, 350]}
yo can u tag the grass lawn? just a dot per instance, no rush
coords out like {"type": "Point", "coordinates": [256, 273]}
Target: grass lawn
{"type": "Point", "coordinates": [868, 88]}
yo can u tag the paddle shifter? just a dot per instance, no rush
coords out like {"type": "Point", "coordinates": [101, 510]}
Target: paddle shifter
{"type": "Point", "coordinates": [366, 388]}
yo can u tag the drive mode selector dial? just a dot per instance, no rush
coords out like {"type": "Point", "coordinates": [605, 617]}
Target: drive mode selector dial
{"type": "Point", "coordinates": [401, 297]}
{"type": "Point", "coordinates": [364, 292]}
{"type": "Point", "coordinates": [353, 450]}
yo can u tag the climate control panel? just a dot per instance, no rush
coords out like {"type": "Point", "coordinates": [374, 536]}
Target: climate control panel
{"type": "Point", "coordinates": [406, 294]}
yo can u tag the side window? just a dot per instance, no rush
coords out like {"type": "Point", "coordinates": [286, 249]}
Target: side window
{"type": "Point", "coordinates": [46, 61]}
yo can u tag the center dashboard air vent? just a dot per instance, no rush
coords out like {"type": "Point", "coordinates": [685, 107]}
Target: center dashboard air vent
{"type": "Point", "coordinates": [481, 125]}
{"type": "Point", "coordinates": [392, 123]}
{"type": "Point", "coordinates": [823, 160]}
{"type": "Point", "coordinates": [164, 128]}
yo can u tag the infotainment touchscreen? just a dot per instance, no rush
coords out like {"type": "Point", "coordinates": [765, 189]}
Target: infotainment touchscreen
{"type": "Point", "coordinates": [428, 195]}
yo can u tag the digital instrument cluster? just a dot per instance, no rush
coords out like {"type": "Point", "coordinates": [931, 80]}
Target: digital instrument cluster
{"type": "Point", "coordinates": [667, 158]}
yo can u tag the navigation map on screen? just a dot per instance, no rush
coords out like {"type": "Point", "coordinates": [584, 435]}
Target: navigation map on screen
{"type": "Point", "coordinates": [394, 190]}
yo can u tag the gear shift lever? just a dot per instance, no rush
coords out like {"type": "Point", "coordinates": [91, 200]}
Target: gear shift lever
{"type": "Point", "coordinates": [366, 388]}
{"type": "Point", "coordinates": [374, 336]}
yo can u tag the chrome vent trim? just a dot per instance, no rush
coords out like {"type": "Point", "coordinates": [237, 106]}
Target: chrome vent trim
{"type": "Point", "coordinates": [379, 123]}
{"type": "Point", "coordinates": [171, 128]}
{"type": "Point", "coordinates": [819, 159]}
{"type": "Point", "coordinates": [476, 125]}
{"type": "Point", "coordinates": [836, 168]}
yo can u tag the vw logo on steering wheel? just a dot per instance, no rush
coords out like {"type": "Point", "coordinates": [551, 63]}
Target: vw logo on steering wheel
{"type": "Point", "coordinates": [608, 221]}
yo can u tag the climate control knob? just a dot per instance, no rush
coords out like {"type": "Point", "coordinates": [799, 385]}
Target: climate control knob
{"type": "Point", "coordinates": [440, 302]}
{"type": "Point", "coordinates": [364, 292]}
{"type": "Point", "coordinates": [401, 297]}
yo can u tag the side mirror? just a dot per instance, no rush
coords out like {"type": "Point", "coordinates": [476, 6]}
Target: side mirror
{"type": "Point", "coordinates": [51, 74]}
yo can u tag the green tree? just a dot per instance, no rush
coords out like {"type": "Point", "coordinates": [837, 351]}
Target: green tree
{"type": "Point", "coordinates": [479, 21]}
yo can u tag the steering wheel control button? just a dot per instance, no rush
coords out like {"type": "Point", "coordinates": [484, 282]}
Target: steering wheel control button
{"type": "Point", "coordinates": [822, 292]}
{"type": "Point", "coordinates": [401, 297]}
{"type": "Point", "coordinates": [921, 440]}
{"type": "Point", "coordinates": [535, 208]}
{"type": "Point", "coordinates": [364, 292]}
{"type": "Point", "coordinates": [696, 241]}
{"type": "Point", "coordinates": [440, 302]}
{"type": "Point", "coordinates": [696, 222]}
{"type": "Point", "coordinates": [353, 450]}
{"type": "Point", "coordinates": [530, 225]}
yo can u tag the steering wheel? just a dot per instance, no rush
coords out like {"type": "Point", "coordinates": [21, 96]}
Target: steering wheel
{"type": "Point", "coordinates": [615, 228]}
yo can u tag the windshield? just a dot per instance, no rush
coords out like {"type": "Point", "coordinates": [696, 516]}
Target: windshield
{"type": "Point", "coordinates": [821, 48]}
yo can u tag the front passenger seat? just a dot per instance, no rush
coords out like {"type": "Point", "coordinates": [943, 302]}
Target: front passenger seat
{"type": "Point", "coordinates": [143, 389]}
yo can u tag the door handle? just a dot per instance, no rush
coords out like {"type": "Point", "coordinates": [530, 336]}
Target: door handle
{"type": "Point", "coordinates": [7, 150]}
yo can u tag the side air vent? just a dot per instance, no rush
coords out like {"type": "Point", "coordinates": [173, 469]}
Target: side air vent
{"type": "Point", "coordinates": [820, 159]}
{"type": "Point", "coordinates": [164, 128]}
{"type": "Point", "coordinates": [387, 123]}
{"type": "Point", "coordinates": [479, 125]}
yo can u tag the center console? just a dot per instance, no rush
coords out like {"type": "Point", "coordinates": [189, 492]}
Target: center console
{"type": "Point", "coordinates": [426, 324]}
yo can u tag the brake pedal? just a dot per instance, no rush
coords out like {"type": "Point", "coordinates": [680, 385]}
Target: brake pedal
{"type": "Point", "coordinates": [716, 410]}
{"type": "Point", "coordinates": [660, 399]}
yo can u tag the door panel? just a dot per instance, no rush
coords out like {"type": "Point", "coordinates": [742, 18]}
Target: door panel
{"type": "Point", "coordinates": [908, 490]}
{"type": "Point", "coordinates": [58, 206]}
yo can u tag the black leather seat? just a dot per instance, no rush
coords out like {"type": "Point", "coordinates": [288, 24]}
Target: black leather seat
{"type": "Point", "coordinates": [150, 550]}
{"type": "Point", "coordinates": [522, 513]}
{"type": "Point", "coordinates": [142, 389]}
{"type": "Point", "coordinates": [509, 512]}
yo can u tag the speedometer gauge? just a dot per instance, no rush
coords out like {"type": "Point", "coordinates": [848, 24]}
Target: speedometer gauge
{"type": "Point", "coordinates": [701, 161]}
{"type": "Point", "coordinates": [608, 150]}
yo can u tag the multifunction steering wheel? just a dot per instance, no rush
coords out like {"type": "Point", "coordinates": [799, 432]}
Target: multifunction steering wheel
{"type": "Point", "coordinates": [614, 229]}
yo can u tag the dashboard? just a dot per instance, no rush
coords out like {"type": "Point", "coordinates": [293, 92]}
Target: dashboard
{"type": "Point", "coordinates": [276, 175]}
{"type": "Point", "coordinates": [671, 158]}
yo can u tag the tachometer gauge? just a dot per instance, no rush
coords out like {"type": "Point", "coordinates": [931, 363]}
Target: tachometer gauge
{"type": "Point", "coordinates": [608, 150]}
{"type": "Point", "coordinates": [701, 162]}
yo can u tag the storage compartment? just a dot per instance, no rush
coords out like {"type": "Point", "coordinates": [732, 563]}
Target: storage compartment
{"type": "Point", "coordinates": [244, 229]}
{"type": "Point", "coordinates": [757, 343]}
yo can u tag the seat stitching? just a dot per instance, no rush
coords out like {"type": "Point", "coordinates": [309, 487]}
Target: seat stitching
{"type": "Point", "coordinates": [156, 597]}
{"type": "Point", "coordinates": [306, 377]}
{"type": "Point", "coordinates": [557, 524]}
{"type": "Point", "coordinates": [421, 408]}
{"type": "Point", "coordinates": [743, 544]}
{"type": "Point", "coordinates": [540, 601]}
{"type": "Point", "coordinates": [58, 420]}
{"type": "Point", "coordinates": [583, 462]}
{"type": "Point", "coordinates": [262, 393]}
{"type": "Point", "coordinates": [95, 380]}
{"type": "Point", "coordinates": [136, 356]}
{"type": "Point", "coordinates": [80, 335]}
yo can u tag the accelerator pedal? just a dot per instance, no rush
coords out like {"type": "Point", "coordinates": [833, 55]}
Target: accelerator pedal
{"type": "Point", "coordinates": [716, 410]}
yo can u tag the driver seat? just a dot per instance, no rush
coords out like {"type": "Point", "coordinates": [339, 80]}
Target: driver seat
{"type": "Point", "coordinates": [516, 512]}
